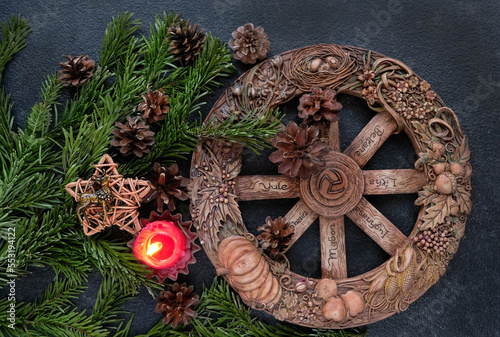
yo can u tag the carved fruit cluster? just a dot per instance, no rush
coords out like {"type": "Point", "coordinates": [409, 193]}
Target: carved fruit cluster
{"type": "Point", "coordinates": [337, 308]}
{"type": "Point", "coordinates": [432, 241]}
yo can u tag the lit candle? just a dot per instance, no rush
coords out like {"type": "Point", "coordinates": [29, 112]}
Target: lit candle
{"type": "Point", "coordinates": [160, 244]}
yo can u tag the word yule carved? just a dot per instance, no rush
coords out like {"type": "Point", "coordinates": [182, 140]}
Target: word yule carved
{"type": "Point", "coordinates": [331, 184]}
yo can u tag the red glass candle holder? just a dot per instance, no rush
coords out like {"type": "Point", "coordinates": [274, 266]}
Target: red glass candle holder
{"type": "Point", "coordinates": [159, 266]}
{"type": "Point", "coordinates": [160, 244]}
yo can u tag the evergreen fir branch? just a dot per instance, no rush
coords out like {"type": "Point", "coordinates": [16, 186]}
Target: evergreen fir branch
{"type": "Point", "coordinates": [85, 100]}
{"type": "Point", "coordinates": [84, 148]}
{"type": "Point", "coordinates": [157, 57]}
{"type": "Point", "coordinates": [254, 130]}
{"type": "Point", "coordinates": [35, 237]}
{"type": "Point", "coordinates": [108, 304]}
{"type": "Point", "coordinates": [41, 115]}
{"type": "Point", "coordinates": [6, 121]}
{"type": "Point", "coordinates": [114, 259]}
{"type": "Point", "coordinates": [117, 38]}
{"type": "Point", "coordinates": [15, 31]}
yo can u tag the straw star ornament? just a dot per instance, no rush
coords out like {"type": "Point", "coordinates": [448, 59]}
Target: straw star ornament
{"type": "Point", "coordinates": [107, 199]}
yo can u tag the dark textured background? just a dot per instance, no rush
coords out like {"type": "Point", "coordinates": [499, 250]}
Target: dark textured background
{"type": "Point", "coordinates": [454, 45]}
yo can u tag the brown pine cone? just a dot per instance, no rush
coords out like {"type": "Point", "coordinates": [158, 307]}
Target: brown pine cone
{"type": "Point", "coordinates": [276, 235]}
{"type": "Point", "coordinates": [76, 70]}
{"type": "Point", "coordinates": [176, 304]}
{"type": "Point", "coordinates": [133, 136]}
{"type": "Point", "coordinates": [185, 41]}
{"type": "Point", "coordinates": [168, 185]}
{"type": "Point", "coordinates": [249, 44]}
{"type": "Point", "coordinates": [155, 106]}
{"type": "Point", "coordinates": [300, 151]}
{"type": "Point", "coordinates": [319, 106]}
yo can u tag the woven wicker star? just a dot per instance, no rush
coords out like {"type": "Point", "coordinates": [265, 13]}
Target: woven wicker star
{"type": "Point", "coordinates": [114, 202]}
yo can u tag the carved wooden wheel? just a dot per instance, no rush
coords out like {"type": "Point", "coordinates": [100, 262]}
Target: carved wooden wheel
{"type": "Point", "coordinates": [402, 102]}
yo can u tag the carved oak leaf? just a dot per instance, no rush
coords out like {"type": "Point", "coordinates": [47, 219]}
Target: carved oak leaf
{"type": "Point", "coordinates": [437, 213]}
{"type": "Point", "coordinates": [463, 198]}
{"type": "Point", "coordinates": [424, 132]}
{"type": "Point", "coordinates": [462, 153]}
{"type": "Point", "coordinates": [425, 157]}
{"type": "Point", "coordinates": [425, 196]}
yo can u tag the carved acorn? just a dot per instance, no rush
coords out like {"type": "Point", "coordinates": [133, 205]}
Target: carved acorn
{"type": "Point", "coordinates": [247, 271]}
{"type": "Point", "coordinates": [445, 183]}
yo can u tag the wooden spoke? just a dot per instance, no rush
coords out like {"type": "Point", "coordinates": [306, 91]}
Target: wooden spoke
{"type": "Point", "coordinates": [334, 136]}
{"type": "Point", "coordinates": [300, 218]}
{"type": "Point", "coordinates": [260, 187]}
{"type": "Point", "coordinates": [333, 255]}
{"type": "Point", "coordinates": [393, 181]}
{"type": "Point", "coordinates": [369, 140]}
{"type": "Point", "coordinates": [377, 226]}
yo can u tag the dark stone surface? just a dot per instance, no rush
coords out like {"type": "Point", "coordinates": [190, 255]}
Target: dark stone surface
{"type": "Point", "coordinates": [454, 45]}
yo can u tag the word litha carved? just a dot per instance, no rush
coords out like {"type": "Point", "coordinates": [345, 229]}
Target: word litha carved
{"type": "Point", "coordinates": [402, 101]}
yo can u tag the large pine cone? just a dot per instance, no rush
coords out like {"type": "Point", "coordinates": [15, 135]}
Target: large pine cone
{"type": "Point", "coordinates": [276, 235]}
{"type": "Point", "coordinates": [176, 304]}
{"type": "Point", "coordinates": [168, 186]}
{"type": "Point", "coordinates": [185, 41]}
{"type": "Point", "coordinates": [155, 106]}
{"type": "Point", "coordinates": [133, 136]}
{"type": "Point", "coordinates": [249, 44]}
{"type": "Point", "coordinates": [300, 151]}
{"type": "Point", "coordinates": [320, 106]}
{"type": "Point", "coordinates": [76, 70]}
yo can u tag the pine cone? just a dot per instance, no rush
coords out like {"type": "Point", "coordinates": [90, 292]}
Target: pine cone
{"type": "Point", "coordinates": [155, 106]}
{"type": "Point", "coordinates": [276, 235]}
{"type": "Point", "coordinates": [176, 303]}
{"type": "Point", "coordinates": [299, 150]}
{"type": "Point", "coordinates": [185, 41]}
{"type": "Point", "coordinates": [249, 44]}
{"type": "Point", "coordinates": [320, 106]}
{"type": "Point", "coordinates": [133, 136]}
{"type": "Point", "coordinates": [168, 185]}
{"type": "Point", "coordinates": [76, 70]}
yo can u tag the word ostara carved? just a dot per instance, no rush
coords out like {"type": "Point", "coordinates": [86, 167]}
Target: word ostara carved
{"type": "Point", "coordinates": [402, 101]}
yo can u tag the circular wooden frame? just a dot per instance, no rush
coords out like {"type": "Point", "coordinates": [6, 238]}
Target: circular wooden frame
{"type": "Point", "coordinates": [402, 102]}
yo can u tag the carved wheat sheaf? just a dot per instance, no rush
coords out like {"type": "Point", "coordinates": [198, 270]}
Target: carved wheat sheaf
{"type": "Point", "coordinates": [402, 102]}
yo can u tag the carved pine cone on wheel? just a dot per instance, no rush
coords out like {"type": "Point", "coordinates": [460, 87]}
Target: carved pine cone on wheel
{"type": "Point", "coordinates": [176, 304]}
{"type": "Point", "coordinates": [319, 106]}
{"type": "Point", "coordinates": [76, 70]}
{"type": "Point", "coordinates": [155, 106]}
{"type": "Point", "coordinates": [300, 150]}
{"type": "Point", "coordinates": [276, 235]}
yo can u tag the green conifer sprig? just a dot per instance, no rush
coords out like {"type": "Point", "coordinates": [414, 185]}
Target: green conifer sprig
{"type": "Point", "coordinates": [15, 31]}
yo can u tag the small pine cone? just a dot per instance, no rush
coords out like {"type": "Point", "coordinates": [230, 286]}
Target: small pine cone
{"type": "Point", "coordinates": [320, 105]}
{"type": "Point", "coordinates": [299, 150]}
{"type": "Point", "coordinates": [168, 186]}
{"type": "Point", "coordinates": [185, 41]}
{"type": "Point", "coordinates": [76, 70]}
{"type": "Point", "coordinates": [176, 304]}
{"type": "Point", "coordinates": [133, 136]}
{"type": "Point", "coordinates": [276, 235]}
{"type": "Point", "coordinates": [249, 44]}
{"type": "Point", "coordinates": [155, 106]}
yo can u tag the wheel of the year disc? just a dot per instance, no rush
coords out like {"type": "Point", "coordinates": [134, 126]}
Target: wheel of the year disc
{"type": "Point", "coordinates": [401, 101]}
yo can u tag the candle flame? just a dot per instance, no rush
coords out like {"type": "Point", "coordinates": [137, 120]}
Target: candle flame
{"type": "Point", "coordinates": [154, 248]}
